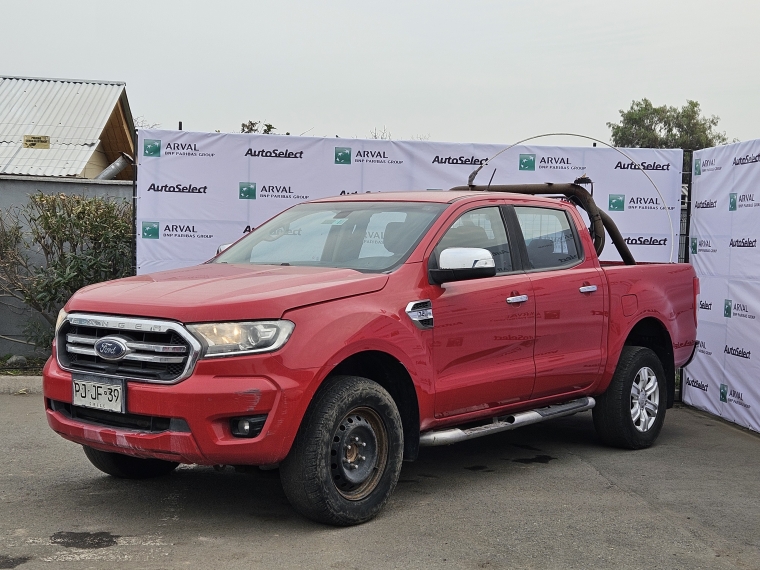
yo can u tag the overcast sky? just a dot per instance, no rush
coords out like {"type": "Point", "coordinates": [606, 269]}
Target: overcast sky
{"type": "Point", "coordinates": [464, 71]}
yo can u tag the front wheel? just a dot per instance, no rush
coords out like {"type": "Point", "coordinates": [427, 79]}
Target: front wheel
{"type": "Point", "coordinates": [126, 466]}
{"type": "Point", "coordinates": [346, 459]}
{"type": "Point", "coordinates": [631, 412]}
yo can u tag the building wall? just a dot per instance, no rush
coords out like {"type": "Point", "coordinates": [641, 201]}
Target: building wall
{"type": "Point", "coordinates": [15, 191]}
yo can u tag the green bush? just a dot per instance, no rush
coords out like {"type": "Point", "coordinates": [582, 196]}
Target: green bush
{"type": "Point", "coordinates": [57, 244]}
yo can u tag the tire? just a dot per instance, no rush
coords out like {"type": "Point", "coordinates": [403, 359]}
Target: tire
{"type": "Point", "coordinates": [128, 467]}
{"type": "Point", "coordinates": [346, 458]}
{"type": "Point", "coordinates": [624, 416]}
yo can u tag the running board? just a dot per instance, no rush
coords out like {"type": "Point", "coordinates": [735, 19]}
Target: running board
{"type": "Point", "coordinates": [505, 423]}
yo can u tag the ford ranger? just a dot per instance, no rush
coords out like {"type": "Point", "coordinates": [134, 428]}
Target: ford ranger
{"type": "Point", "coordinates": [345, 333]}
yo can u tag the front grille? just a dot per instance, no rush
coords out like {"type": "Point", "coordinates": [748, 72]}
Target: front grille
{"type": "Point", "coordinates": [156, 351]}
{"type": "Point", "coordinates": [151, 424]}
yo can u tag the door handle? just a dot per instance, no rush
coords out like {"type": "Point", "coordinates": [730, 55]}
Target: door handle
{"type": "Point", "coordinates": [587, 289]}
{"type": "Point", "coordinates": [517, 299]}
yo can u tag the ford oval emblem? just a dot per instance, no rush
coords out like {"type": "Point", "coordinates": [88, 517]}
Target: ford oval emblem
{"type": "Point", "coordinates": [111, 348]}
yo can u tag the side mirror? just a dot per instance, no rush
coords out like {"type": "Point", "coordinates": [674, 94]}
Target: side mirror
{"type": "Point", "coordinates": [222, 247]}
{"type": "Point", "coordinates": [461, 263]}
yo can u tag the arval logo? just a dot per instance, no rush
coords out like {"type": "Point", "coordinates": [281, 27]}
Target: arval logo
{"type": "Point", "coordinates": [697, 167]}
{"type": "Point", "coordinates": [732, 202]}
{"type": "Point", "coordinates": [724, 392]}
{"type": "Point", "coordinates": [527, 162]}
{"type": "Point", "coordinates": [150, 230]}
{"type": "Point", "coordinates": [247, 190]}
{"type": "Point", "coordinates": [616, 203]}
{"type": "Point", "coordinates": [694, 246]}
{"type": "Point", "coordinates": [111, 348]}
{"type": "Point", "coordinates": [727, 304]}
{"type": "Point", "coordinates": [342, 155]}
{"type": "Point", "coordinates": [151, 147]}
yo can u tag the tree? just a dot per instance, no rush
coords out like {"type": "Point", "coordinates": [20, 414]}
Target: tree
{"type": "Point", "coordinates": [56, 244]}
{"type": "Point", "coordinates": [647, 126]}
{"type": "Point", "coordinates": [258, 127]}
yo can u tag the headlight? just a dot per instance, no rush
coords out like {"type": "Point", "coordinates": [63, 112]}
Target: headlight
{"type": "Point", "coordinates": [61, 317]}
{"type": "Point", "coordinates": [222, 339]}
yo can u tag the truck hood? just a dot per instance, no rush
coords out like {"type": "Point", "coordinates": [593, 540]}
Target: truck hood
{"type": "Point", "coordinates": [222, 292]}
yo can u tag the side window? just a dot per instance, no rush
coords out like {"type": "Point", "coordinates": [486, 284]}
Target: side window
{"type": "Point", "coordinates": [483, 228]}
{"type": "Point", "coordinates": [548, 237]}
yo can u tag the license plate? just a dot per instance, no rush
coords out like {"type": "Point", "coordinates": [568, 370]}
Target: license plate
{"type": "Point", "coordinates": [99, 393]}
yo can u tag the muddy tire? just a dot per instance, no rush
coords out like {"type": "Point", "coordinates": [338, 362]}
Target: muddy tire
{"type": "Point", "coordinates": [631, 412]}
{"type": "Point", "coordinates": [346, 458]}
{"type": "Point", "coordinates": [126, 466]}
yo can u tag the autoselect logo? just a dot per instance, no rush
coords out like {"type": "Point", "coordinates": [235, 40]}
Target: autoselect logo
{"type": "Point", "coordinates": [739, 309]}
{"type": "Point", "coordinates": [178, 188]}
{"type": "Point", "coordinates": [151, 147]}
{"type": "Point", "coordinates": [742, 242]}
{"type": "Point", "coordinates": [274, 153]}
{"type": "Point", "coordinates": [527, 162]}
{"type": "Point", "coordinates": [737, 351]}
{"type": "Point", "coordinates": [696, 384]}
{"type": "Point", "coordinates": [641, 240]}
{"type": "Point", "coordinates": [642, 166]}
{"type": "Point", "coordinates": [705, 306]}
{"type": "Point", "coordinates": [247, 190]}
{"type": "Point", "coordinates": [706, 204]}
{"type": "Point", "coordinates": [746, 159]}
{"type": "Point", "coordinates": [342, 155]}
{"type": "Point", "coordinates": [471, 160]}
{"type": "Point", "coordinates": [616, 203]}
{"type": "Point", "coordinates": [150, 230]}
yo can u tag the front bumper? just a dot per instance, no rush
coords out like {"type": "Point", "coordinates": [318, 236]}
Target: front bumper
{"type": "Point", "coordinates": [199, 411]}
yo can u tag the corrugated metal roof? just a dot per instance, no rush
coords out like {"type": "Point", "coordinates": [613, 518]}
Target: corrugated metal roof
{"type": "Point", "coordinates": [71, 112]}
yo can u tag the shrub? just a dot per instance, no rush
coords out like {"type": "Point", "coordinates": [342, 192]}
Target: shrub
{"type": "Point", "coordinates": [57, 244]}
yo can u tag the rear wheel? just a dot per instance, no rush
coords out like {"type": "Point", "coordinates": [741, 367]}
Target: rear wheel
{"type": "Point", "coordinates": [126, 466]}
{"type": "Point", "coordinates": [631, 412]}
{"type": "Point", "coordinates": [346, 459]}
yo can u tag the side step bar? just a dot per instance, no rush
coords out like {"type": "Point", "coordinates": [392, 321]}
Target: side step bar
{"type": "Point", "coordinates": [505, 423]}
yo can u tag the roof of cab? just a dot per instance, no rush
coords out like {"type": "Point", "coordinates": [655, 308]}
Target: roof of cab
{"type": "Point", "coordinates": [435, 196]}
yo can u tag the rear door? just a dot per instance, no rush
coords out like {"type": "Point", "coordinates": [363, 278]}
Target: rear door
{"type": "Point", "coordinates": [569, 294]}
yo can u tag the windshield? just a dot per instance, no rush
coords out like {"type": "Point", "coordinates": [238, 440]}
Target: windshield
{"type": "Point", "coordinates": [366, 236]}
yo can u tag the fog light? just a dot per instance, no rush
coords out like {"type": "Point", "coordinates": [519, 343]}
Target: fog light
{"type": "Point", "coordinates": [249, 426]}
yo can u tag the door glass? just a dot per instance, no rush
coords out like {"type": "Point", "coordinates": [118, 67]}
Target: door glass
{"type": "Point", "coordinates": [482, 228]}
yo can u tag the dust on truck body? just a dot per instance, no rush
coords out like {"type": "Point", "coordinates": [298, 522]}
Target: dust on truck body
{"type": "Point", "coordinates": [344, 334]}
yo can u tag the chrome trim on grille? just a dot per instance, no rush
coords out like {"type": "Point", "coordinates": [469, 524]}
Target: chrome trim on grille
{"type": "Point", "coordinates": [114, 325]}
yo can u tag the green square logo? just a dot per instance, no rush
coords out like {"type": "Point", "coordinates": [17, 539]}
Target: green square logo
{"type": "Point", "coordinates": [694, 246]}
{"type": "Point", "coordinates": [247, 190]}
{"type": "Point", "coordinates": [151, 147]}
{"type": "Point", "coordinates": [342, 155]}
{"type": "Point", "coordinates": [727, 308]}
{"type": "Point", "coordinates": [724, 392]}
{"type": "Point", "coordinates": [732, 202]}
{"type": "Point", "coordinates": [697, 167]}
{"type": "Point", "coordinates": [527, 162]}
{"type": "Point", "coordinates": [616, 203]}
{"type": "Point", "coordinates": [150, 230]}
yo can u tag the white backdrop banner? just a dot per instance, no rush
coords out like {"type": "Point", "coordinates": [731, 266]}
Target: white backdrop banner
{"type": "Point", "coordinates": [724, 377]}
{"type": "Point", "coordinates": [196, 191]}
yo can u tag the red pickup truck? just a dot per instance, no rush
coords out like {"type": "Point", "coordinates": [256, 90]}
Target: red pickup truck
{"type": "Point", "coordinates": [341, 336]}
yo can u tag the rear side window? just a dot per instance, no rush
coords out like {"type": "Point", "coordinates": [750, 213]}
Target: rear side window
{"type": "Point", "coordinates": [548, 236]}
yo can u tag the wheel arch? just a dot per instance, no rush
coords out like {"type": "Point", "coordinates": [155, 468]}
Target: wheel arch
{"type": "Point", "coordinates": [653, 334]}
{"type": "Point", "coordinates": [393, 376]}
